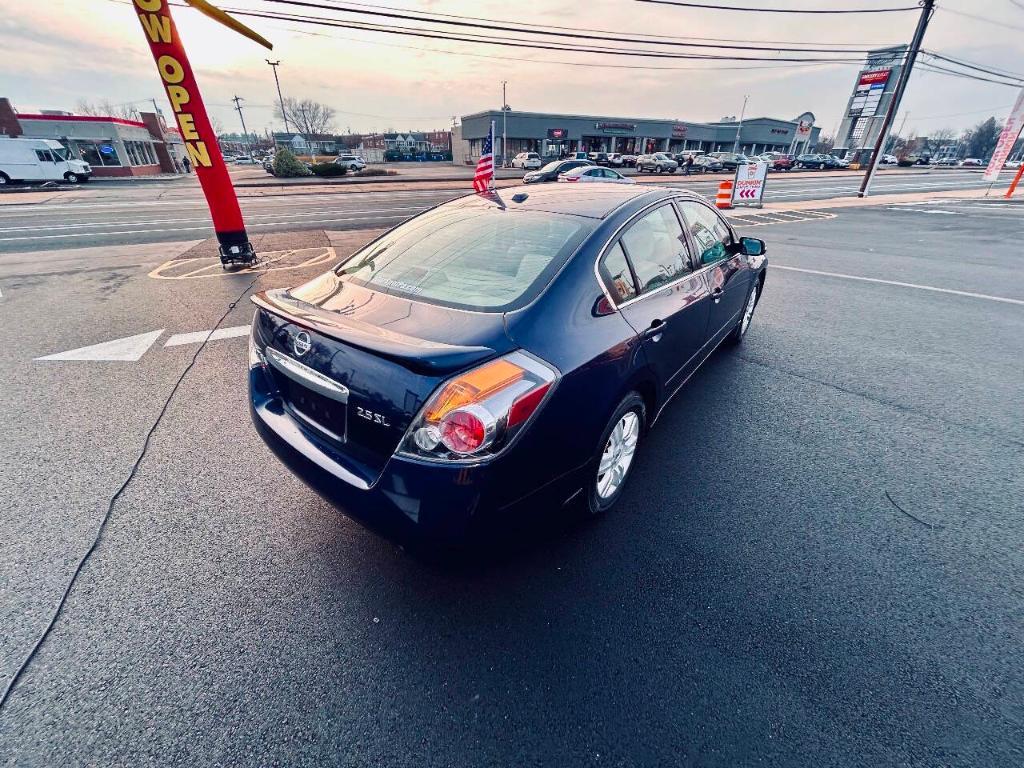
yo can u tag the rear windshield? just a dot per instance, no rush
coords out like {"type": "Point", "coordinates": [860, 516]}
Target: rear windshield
{"type": "Point", "coordinates": [474, 258]}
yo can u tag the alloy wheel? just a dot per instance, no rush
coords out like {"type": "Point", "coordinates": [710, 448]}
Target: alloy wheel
{"type": "Point", "coordinates": [748, 311]}
{"type": "Point", "coordinates": [618, 455]}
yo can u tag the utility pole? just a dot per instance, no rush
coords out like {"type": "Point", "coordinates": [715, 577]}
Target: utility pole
{"type": "Point", "coordinates": [739, 126]}
{"type": "Point", "coordinates": [504, 124]}
{"type": "Point", "coordinates": [927, 6]}
{"type": "Point", "coordinates": [280, 98]}
{"type": "Point", "coordinates": [245, 132]}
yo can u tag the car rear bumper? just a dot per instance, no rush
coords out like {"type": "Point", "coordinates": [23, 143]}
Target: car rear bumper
{"type": "Point", "coordinates": [410, 498]}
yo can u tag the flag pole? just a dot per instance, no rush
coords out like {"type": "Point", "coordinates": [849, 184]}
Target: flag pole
{"type": "Point", "coordinates": [490, 183]}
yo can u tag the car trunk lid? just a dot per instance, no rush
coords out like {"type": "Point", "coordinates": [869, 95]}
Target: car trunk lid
{"type": "Point", "coordinates": [380, 357]}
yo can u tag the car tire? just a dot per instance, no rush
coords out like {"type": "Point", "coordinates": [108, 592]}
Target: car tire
{"type": "Point", "coordinates": [71, 178]}
{"type": "Point", "coordinates": [4, 179]}
{"type": "Point", "coordinates": [747, 315]}
{"type": "Point", "coordinates": [627, 421]}
{"type": "Point", "coordinates": [821, 166]}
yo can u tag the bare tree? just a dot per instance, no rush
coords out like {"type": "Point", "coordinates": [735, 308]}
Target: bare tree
{"type": "Point", "coordinates": [104, 108]}
{"type": "Point", "coordinates": [942, 136]}
{"type": "Point", "coordinates": [825, 144]}
{"type": "Point", "coordinates": [306, 115]}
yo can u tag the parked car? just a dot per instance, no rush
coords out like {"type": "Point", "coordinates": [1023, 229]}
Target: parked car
{"type": "Point", "coordinates": [594, 174]}
{"type": "Point", "coordinates": [39, 160]}
{"type": "Point", "coordinates": [629, 161]}
{"type": "Point", "coordinates": [840, 162]}
{"type": "Point", "coordinates": [552, 170]}
{"type": "Point", "coordinates": [615, 160]}
{"type": "Point", "coordinates": [658, 162]}
{"type": "Point", "coordinates": [814, 160]}
{"type": "Point", "coordinates": [777, 161]}
{"type": "Point", "coordinates": [888, 160]}
{"type": "Point", "coordinates": [470, 364]}
{"type": "Point", "coordinates": [731, 160]}
{"type": "Point", "coordinates": [1012, 165]}
{"type": "Point", "coordinates": [707, 164]}
{"type": "Point", "coordinates": [579, 156]}
{"type": "Point", "coordinates": [352, 162]}
{"type": "Point", "coordinates": [908, 161]}
{"type": "Point", "coordinates": [945, 161]}
{"type": "Point", "coordinates": [268, 165]}
{"type": "Point", "coordinates": [528, 161]}
{"type": "Point", "coordinates": [971, 162]}
{"type": "Point", "coordinates": [245, 160]}
{"type": "Point", "coordinates": [598, 158]}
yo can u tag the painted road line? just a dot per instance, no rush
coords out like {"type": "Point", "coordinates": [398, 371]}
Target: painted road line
{"type": "Point", "coordinates": [207, 228]}
{"type": "Point", "coordinates": [271, 261]}
{"type": "Point", "coordinates": [128, 349]}
{"type": "Point", "coordinates": [198, 337]}
{"type": "Point", "coordinates": [305, 215]}
{"type": "Point", "coordinates": [925, 210]}
{"type": "Point", "coordinates": [898, 284]}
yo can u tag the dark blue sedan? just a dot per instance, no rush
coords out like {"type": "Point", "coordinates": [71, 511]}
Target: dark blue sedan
{"type": "Point", "coordinates": [495, 353]}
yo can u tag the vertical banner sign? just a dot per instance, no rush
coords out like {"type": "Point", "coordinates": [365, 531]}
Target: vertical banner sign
{"type": "Point", "coordinates": [1007, 138]}
{"type": "Point", "coordinates": [748, 186]}
{"type": "Point", "coordinates": [196, 131]}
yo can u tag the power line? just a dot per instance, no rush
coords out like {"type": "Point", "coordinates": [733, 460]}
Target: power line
{"type": "Point", "coordinates": [932, 67]}
{"type": "Point", "coordinates": [988, 110]}
{"type": "Point", "coordinates": [714, 7]}
{"type": "Point", "coordinates": [503, 27]}
{"type": "Point", "coordinates": [562, 62]}
{"type": "Point", "coordinates": [589, 29]}
{"type": "Point", "coordinates": [977, 67]}
{"type": "Point", "coordinates": [519, 42]}
{"type": "Point", "coordinates": [983, 19]}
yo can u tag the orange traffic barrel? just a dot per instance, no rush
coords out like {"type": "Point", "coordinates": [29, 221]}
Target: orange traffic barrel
{"type": "Point", "coordinates": [724, 197]}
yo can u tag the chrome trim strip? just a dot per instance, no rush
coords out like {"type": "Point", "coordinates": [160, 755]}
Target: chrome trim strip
{"type": "Point", "coordinates": [306, 376]}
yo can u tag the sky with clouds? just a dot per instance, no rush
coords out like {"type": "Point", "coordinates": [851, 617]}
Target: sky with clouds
{"type": "Point", "coordinates": [59, 52]}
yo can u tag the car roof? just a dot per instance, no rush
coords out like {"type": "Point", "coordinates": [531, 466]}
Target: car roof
{"type": "Point", "coordinates": [595, 201]}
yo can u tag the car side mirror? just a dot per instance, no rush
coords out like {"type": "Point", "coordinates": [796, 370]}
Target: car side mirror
{"type": "Point", "coordinates": [752, 246]}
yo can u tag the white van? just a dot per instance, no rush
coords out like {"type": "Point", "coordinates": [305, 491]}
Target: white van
{"type": "Point", "coordinates": [39, 160]}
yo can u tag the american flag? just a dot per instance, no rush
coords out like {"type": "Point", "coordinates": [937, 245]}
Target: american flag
{"type": "Point", "coordinates": [485, 165]}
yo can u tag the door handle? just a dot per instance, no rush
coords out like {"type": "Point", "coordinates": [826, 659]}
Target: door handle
{"type": "Point", "coordinates": [656, 329]}
{"type": "Point", "coordinates": [716, 294]}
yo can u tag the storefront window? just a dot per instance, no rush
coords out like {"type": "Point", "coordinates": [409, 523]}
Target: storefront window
{"type": "Point", "coordinates": [108, 153]}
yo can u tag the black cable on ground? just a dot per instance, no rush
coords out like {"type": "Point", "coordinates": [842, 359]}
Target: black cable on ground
{"type": "Point", "coordinates": [110, 506]}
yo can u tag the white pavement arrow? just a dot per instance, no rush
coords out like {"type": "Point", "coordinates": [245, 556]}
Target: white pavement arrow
{"type": "Point", "coordinates": [130, 348]}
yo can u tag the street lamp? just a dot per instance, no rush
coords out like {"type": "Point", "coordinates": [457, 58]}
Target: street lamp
{"type": "Point", "coordinates": [739, 126]}
{"type": "Point", "coordinates": [280, 98]}
{"type": "Point", "coordinates": [504, 125]}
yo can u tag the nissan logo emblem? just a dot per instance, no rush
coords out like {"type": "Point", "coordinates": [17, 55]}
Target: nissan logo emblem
{"type": "Point", "coordinates": [301, 343]}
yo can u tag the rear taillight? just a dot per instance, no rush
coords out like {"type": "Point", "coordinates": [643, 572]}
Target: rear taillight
{"type": "Point", "coordinates": [477, 414]}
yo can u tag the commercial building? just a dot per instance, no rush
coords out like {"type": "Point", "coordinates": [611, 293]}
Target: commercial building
{"type": "Point", "coordinates": [111, 145]}
{"type": "Point", "coordinates": [872, 94]}
{"type": "Point", "coordinates": [553, 135]}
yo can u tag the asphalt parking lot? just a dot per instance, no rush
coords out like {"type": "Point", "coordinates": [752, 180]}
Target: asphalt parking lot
{"type": "Point", "coordinates": [818, 560]}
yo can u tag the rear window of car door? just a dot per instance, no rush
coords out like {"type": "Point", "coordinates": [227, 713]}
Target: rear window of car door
{"type": "Point", "coordinates": [708, 231]}
{"type": "Point", "coordinates": [616, 275]}
{"type": "Point", "coordinates": [656, 248]}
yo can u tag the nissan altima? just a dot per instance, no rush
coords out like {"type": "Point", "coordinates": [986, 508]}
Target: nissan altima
{"type": "Point", "coordinates": [495, 353]}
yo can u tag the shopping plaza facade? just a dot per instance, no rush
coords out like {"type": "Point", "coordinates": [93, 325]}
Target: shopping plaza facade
{"type": "Point", "coordinates": [555, 135]}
